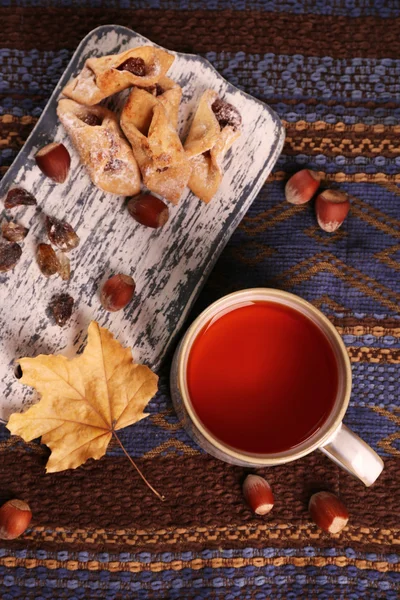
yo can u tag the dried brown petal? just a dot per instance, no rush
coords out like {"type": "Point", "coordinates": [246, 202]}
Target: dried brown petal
{"type": "Point", "coordinates": [65, 266]}
{"type": "Point", "coordinates": [13, 232]}
{"type": "Point", "coordinates": [135, 65]}
{"type": "Point", "coordinates": [61, 234]}
{"type": "Point", "coordinates": [9, 256]}
{"type": "Point", "coordinates": [19, 197]}
{"type": "Point", "coordinates": [61, 308]}
{"type": "Point", "coordinates": [47, 260]}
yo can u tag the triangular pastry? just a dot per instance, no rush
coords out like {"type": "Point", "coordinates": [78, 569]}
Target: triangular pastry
{"type": "Point", "coordinates": [155, 144]}
{"type": "Point", "coordinates": [216, 125]}
{"type": "Point", "coordinates": [169, 94]}
{"type": "Point", "coordinates": [102, 77]}
{"type": "Point", "coordinates": [103, 150]}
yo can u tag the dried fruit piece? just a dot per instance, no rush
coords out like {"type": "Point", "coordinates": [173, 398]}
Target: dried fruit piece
{"type": "Point", "coordinates": [302, 186]}
{"type": "Point", "coordinates": [332, 207]}
{"type": "Point", "coordinates": [154, 90]}
{"type": "Point", "coordinates": [47, 260]}
{"type": "Point", "coordinates": [54, 161]}
{"type": "Point", "coordinates": [13, 232]}
{"type": "Point", "coordinates": [226, 114]}
{"type": "Point", "coordinates": [258, 494]}
{"type": "Point", "coordinates": [148, 210]}
{"type": "Point", "coordinates": [64, 270]}
{"type": "Point", "coordinates": [91, 119]}
{"type": "Point", "coordinates": [61, 308]}
{"type": "Point", "coordinates": [328, 512]}
{"type": "Point", "coordinates": [10, 253]}
{"type": "Point", "coordinates": [135, 65]}
{"type": "Point", "coordinates": [117, 292]}
{"type": "Point", "coordinates": [19, 197]}
{"type": "Point", "coordinates": [114, 164]}
{"type": "Point", "coordinates": [61, 234]}
{"type": "Point", "coordinates": [15, 516]}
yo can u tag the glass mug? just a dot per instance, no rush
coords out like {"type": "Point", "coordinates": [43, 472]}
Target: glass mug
{"type": "Point", "coordinates": [333, 438]}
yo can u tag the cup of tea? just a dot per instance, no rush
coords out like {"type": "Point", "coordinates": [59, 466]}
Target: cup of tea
{"type": "Point", "coordinates": [262, 378]}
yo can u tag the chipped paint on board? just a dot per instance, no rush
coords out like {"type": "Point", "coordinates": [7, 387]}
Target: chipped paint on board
{"type": "Point", "coordinates": [169, 265]}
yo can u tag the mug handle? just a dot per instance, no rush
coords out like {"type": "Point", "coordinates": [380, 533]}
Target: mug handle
{"type": "Point", "coordinates": [351, 453]}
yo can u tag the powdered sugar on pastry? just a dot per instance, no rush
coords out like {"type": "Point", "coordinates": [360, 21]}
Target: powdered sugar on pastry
{"type": "Point", "coordinates": [102, 148]}
{"type": "Point", "coordinates": [156, 145]}
{"type": "Point", "coordinates": [216, 125]}
{"type": "Point", "coordinates": [102, 77]}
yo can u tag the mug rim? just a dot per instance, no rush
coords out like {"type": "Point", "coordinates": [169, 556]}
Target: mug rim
{"type": "Point", "coordinates": [317, 439]}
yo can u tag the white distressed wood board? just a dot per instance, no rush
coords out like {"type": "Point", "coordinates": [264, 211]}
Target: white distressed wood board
{"type": "Point", "coordinates": [169, 265]}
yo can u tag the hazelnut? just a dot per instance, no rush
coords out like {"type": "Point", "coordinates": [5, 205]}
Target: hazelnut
{"type": "Point", "coordinates": [331, 207]}
{"type": "Point", "coordinates": [302, 186]}
{"type": "Point", "coordinates": [117, 292]}
{"type": "Point", "coordinates": [15, 516]}
{"type": "Point", "coordinates": [258, 494]}
{"type": "Point", "coordinates": [328, 512]}
{"type": "Point", "coordinates": [54, 161]}
{"type": "Point", "coordinates": [148, 210]}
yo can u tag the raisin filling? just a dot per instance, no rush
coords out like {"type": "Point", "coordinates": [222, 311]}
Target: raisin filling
{"type": "Point", "coordinates": [114, 164]}
{"type": "Point", "coordinates": [155, 90]}
{"type": "Point", "coordinates": [91, 119]}
{"type": "Point", "coordinates": [134, 65]}
{"type": "Point", "coordinates": [226, 114]}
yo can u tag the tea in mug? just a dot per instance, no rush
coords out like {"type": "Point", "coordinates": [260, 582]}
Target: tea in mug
{"type": "Point", "coordinates": [262, 378]}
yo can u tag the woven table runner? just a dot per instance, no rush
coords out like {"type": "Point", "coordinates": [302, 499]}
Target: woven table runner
{"type": "Point", "coordinates": [331, 70]}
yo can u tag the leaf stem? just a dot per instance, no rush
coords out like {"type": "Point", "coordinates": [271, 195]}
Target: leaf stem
{"type": "Point", "coordinates": [162, 498]}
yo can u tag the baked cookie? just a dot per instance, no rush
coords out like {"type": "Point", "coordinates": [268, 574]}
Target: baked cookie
{"type": "Point", "coordinates": [216, 125]}
{"type": "Point", "coordinates": [102, 77]}
{"type": "Point", "coordinates": [103, 150]}
{"type": "Point", "coordinates": [155, 144]}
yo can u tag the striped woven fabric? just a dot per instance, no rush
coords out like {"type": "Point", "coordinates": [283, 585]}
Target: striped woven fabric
{"type": "Point", "coordinates": [331, 70]}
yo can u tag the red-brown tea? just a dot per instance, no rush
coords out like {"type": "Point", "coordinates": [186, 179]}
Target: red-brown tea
{"type": "Point", "coordinates": [262, 378]}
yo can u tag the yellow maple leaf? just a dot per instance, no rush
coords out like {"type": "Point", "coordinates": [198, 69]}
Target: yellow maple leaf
{"type": "Point", "coordinates": [84, 401]}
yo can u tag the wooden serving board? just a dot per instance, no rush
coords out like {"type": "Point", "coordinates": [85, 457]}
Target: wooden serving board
{"type": "Point", "coordinates": [169, 265]}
